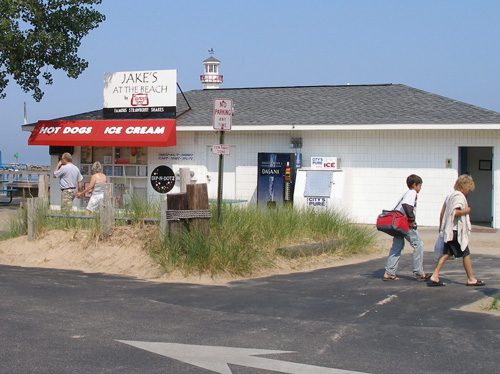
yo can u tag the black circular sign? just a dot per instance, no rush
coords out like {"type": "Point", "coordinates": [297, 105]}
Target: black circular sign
{"type": "Point", "coordinates": [162, 179]}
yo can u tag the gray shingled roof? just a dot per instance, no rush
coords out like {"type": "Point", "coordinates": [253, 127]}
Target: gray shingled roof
{"type": "Point", "coordinates": [327, 105]}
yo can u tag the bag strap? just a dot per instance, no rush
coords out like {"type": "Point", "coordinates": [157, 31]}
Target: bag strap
{"type": "Point", "coordinates": [400, 202]}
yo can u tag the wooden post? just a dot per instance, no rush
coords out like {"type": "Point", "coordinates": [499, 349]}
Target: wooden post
{"type": "Point", "coordinates": [198, 200]}
{"type": "Point", "coordinates": [31, 205]}
{"type": "Point", "coordinates": [43, 186]}
{"type": "Point", "coordinates": [220, 178]}
{"type": "Point", "coordinates": [185, 178]}
{"type": "Point", "coordinates": [176, 201]}
{"type": "Point", "coordinates": [106, 212]}
{"type": "Point", "coordinates": [163, 217]}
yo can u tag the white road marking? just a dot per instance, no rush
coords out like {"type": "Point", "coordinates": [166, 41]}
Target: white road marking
{"type": "Point", "coordinates": [217, 359]}
{"type": "Point", "coordinates": [387, 300]}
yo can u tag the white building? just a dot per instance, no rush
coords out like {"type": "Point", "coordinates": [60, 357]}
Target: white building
{"type": "Point", "coordinates": [381, 133]}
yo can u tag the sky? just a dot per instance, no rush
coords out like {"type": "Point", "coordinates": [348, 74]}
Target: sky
{"type": "Point", "coordinates": [447, 47]}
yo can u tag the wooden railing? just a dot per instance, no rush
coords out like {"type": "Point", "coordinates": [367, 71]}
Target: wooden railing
{"type": "Point", "coordinates": [25, 183]}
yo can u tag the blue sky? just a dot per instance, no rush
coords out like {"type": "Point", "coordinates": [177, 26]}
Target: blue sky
{"type": "Point", "coordinates": [448, 47]}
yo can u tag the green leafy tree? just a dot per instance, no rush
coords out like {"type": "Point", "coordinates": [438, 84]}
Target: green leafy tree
{"type": "Point", "coordinates": [38, 35]}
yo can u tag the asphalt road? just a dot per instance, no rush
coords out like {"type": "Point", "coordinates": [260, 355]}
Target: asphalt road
{"type": "Point", "coordinates": [54, 321]}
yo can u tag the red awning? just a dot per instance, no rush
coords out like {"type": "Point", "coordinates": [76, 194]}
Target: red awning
{"type": "Point", "coordinates": [105, 133]}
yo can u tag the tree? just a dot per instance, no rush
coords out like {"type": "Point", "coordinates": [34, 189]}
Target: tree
{"type": "Point", "coordinates": [38, 35]}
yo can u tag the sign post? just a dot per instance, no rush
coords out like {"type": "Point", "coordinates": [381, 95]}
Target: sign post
{"type": "Point", "coordinates": [222, 121]}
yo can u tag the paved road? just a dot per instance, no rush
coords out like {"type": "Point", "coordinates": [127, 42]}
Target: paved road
{"type": "Point", "coordinates": [54, 321]}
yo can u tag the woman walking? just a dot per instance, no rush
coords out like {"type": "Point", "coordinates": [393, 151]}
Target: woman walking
{"type": "Point", "coordinates": [456, 228]}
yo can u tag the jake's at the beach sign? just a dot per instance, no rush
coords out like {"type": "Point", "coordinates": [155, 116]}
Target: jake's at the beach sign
{"type": "Point", "coordinates": [139, 94]}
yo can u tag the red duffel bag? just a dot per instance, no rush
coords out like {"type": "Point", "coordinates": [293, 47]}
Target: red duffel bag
{"type": "Point", "coordinates": [393, 222]}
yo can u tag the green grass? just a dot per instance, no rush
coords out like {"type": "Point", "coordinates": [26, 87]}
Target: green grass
{"type": "Point", "coordinates": [70, 223]}
{"type": "Point", "coordinates": [17, 225]}
{"type": "Point", "coordinates": [138, 208]}
{"type": "Point", "coordinates": [495, 303]}
{"type": "Point", "coordinates": [248, 238]}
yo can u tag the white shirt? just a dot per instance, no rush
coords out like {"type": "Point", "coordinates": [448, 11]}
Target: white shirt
{"type": "Point", "coordinates": [409, 198]}
{"type": "Point", "coordinates": [69, 176]}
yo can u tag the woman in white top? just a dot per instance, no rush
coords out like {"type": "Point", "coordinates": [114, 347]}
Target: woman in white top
{"type": "Point", "coordinates": [456, 228]}
{"type": "Point", "coordinates": [96, 185]}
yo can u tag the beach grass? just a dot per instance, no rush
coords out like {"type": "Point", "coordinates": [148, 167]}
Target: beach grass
{"type": "Point", "coordinates": [17, 225]}
{"type": "Point", "coordinates": [138, 208]}
{"type": "Point", "coordinates": [249, 238]}
{"type": "Point", "coordinates": [495, 303]}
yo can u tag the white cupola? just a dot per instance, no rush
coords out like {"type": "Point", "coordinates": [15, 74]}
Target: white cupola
{"type": "Point", "coordinates": [211, 78]}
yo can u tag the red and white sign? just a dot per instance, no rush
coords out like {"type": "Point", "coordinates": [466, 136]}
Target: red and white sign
{"type": "Point", "coordinates": [105, 133]}
{"type": "Point", "coordinates": [324, 163]}
{"type": "Point", "coordinates": [220, 149]}
{"type": "Point", "coordinates": [223, 114]}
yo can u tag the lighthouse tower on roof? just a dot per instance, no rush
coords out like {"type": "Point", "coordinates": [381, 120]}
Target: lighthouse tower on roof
{"type": "Point", "coordinates": [211, 78]}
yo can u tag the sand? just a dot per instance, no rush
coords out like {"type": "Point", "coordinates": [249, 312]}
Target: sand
{"type": "Point", "coordinates": [125, 253]}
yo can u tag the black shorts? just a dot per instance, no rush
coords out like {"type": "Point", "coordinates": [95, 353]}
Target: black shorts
{"type": "Point", "coordinates": [453, 248]}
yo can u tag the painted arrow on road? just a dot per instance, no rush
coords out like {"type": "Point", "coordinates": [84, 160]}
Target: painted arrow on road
{"type": "Point", "coordinates": [217, 359]}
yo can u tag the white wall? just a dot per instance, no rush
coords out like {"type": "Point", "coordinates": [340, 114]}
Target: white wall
{"type": "Point", "coordinates": [240, 167]}
{"type": "Point", "coordinates": [376, 164]}
{"type": "Point", "coordinates": [380, 161]}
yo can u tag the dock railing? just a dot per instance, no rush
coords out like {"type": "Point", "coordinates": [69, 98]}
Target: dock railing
{"type": "Point", "coordinates": [24, 180]}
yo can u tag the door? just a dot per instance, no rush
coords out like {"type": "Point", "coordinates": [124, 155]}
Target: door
{"type": "Point", "coordinates": [478, 162]}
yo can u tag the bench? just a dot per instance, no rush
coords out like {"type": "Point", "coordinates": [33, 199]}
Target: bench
{"type": "Point", "coordinates": [8, 192]}
{"type": "Point", "coordinates": [23, 189]}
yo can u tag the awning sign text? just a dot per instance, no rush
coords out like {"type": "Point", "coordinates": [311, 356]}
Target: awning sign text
{"type": "Point", "coordinates": [131, 133]}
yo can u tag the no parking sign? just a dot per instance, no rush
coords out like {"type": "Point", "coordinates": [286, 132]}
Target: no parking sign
{"type": "Point", "coordinates": [222, 115]}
